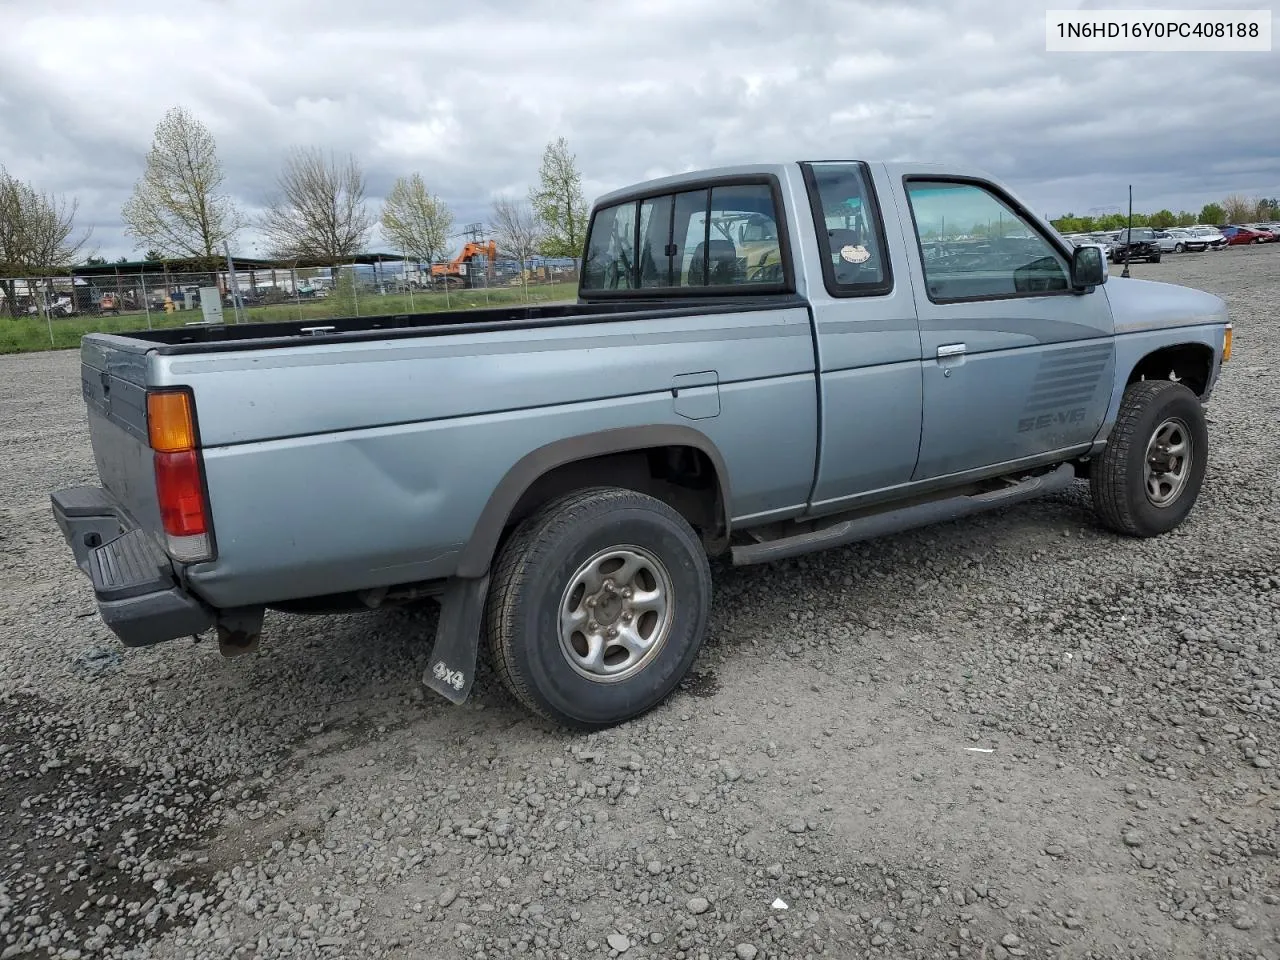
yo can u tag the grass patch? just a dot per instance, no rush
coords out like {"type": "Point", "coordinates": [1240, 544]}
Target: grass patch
{"type": "Point", "coordinates": [28, 334]}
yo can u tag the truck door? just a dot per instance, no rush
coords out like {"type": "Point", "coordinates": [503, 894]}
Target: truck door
{"type": "Point", "coordinates": [868, 343]}
{"type": "Point", "coordinates": [1016, 365]}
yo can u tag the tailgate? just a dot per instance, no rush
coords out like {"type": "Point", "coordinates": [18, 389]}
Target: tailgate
{"type": "Point", "coordinates": [113, 373]}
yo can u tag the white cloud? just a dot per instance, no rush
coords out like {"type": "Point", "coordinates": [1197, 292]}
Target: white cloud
{"type": "Point", "coordinates": [469, 94]}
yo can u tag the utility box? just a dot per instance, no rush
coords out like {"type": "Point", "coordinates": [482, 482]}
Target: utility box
{"type": "Point", "coordinates": [211, 304]}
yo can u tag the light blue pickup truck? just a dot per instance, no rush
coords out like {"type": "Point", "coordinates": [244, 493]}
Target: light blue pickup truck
{"type": "Point", "coordinates": [763, 360]}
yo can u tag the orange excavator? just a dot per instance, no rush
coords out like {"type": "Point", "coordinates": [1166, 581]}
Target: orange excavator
{"type": "Point", "coordinates": [461, 270]}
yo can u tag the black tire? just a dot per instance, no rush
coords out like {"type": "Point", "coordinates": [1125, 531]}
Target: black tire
{"type": "Point", "coordinates": [1118, 479]}
{"type": "Point", "coordinates": [1156, 258]}
{"type": "Point", "coordinates": [533, 571]}
{"type": "Point", "coordinates": [1179, 248]}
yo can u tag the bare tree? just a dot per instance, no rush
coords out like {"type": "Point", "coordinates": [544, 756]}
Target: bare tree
{"type": "Point", "coordinates": [416, 221]}
{"type": "Point", "coordinates": [36, 235]}
{"type": "Point", "coordinates": [1238, 208]}
{"type": "Point", "coordinates": [177, 207]}
{"type": "Point", "coordinates": [558, 201]}
{"type": "Point", "coordinates": [320, 210]}
{"type": "Point", "coordinates": [518, 232]}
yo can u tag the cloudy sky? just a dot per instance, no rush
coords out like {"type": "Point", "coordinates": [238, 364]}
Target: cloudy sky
{"type": "Point", "coordinates": [469, 93]}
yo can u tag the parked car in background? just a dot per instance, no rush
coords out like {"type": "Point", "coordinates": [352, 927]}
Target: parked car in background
{"type": "Point", "coordinates": [1211, 235]}
{"type": "Point", "coordinates": [1105, 240]}
{"type": "Point", "coordinates": [1181, 240]}
{"type": "Point", "coordinates": [1269, 233]}
{"type": "Point", "coordinates": [1238, 236]}
{"type": "Point", "coordinates": [1139, 243]}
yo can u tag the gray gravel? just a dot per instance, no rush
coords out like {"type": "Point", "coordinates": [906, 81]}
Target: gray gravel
{"type": "Point", "coordinates": [1013, 736]}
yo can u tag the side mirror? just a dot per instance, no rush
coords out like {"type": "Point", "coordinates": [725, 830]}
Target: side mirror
{"type": "Point", "coordinates": [1088, 267]}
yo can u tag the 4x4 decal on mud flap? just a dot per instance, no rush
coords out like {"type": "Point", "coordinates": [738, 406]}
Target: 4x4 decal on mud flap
{"type": "Point", "coordinates": [454, 678]}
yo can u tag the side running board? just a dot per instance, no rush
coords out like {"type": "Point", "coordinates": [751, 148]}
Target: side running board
{"type": "Point", "coordinates": [905, 518]}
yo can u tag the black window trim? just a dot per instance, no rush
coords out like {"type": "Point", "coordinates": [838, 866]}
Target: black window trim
{"type": "Point", "coordinates": [787, 286]}
{"type": "Point", "coordinates": [885, 285]}
{"type": "Point", "coordinates": [1026, 215]}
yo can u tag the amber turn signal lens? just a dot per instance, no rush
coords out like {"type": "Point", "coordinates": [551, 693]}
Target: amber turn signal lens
{"type": "Point", "coordinates": [1226, 345]}
{"type": "Point", "coordinates": [170, 426]}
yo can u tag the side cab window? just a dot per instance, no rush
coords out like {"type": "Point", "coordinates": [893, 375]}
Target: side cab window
{"type": "Point", "coordinates": [973, 246]}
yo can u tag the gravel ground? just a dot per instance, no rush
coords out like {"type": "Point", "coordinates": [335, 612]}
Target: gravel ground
{"type": "Point", "coordinates": [1010, 736]}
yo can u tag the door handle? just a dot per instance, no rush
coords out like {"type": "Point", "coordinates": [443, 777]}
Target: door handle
{"type": "Point", "coordinates": [951, 350]}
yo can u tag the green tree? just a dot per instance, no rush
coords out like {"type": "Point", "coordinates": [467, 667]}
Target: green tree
{"type": "Point", "coordinates": [415, 221]}
{"type": "Point", "coordinates": [1162, 219]}
{"type": "Point", "coordinates": [177, 207]}
{"type": "Point", "coordinates": [1185, 218]}
{"type": "Point", "coordinates": [1212, 214]}
{"type": "Point", "coordinates": [153, 255]}
{"type": "Point", "coordinates": [1069, 223]}
{"type": "Point", "coordinates": [558, 202]}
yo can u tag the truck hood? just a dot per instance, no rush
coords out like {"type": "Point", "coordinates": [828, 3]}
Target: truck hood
{"type": "Point", "coordinates": [1150, 305]}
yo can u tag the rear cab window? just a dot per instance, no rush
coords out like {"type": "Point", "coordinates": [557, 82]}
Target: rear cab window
{"type": "Point", "coordinates": [724, 236]}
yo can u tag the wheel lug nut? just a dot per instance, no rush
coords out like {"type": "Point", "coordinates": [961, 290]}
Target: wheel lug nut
{"type": "Point", "coordinates": [591, 601]}
{"type": "Point", "coordinates": [626, 592]}
{"type": "Point", "coordinates": [613, 632]}
{"type": "Point", "coordinates": [626, 617]}
{"type": "Point", "coordinates": [593, 626]}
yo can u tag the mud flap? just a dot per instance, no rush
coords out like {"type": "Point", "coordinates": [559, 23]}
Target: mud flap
{"type": "Point", "coordinates": [452, 669]}
{"type": "Point", "coordinates": [240, 631]}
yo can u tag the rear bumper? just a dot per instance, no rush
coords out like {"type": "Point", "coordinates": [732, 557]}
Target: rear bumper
{"type": "Point", "coordinates": [139, 598]}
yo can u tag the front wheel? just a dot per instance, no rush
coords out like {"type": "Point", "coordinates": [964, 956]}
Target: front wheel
{"type": "Point", "coordinates": [1156, 258]}
{"type": "Point", "coordinates": [1179, 248]}
{"type": "Point", "coordinates": [1149, 474]}
{"type": "Point", "coordinates": [598, 607]}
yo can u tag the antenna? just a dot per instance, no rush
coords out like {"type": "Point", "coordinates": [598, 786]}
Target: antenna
{"type": "Point", "coordinates": [1128, 247]}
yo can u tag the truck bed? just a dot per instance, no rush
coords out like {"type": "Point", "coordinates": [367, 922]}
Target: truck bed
{"type": "Point", "coordinates": [376, 445]}
{"type": "Point", "coordinates": [199, 338]}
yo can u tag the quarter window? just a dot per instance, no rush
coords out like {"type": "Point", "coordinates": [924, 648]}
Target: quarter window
{"type": "Point", "coordinates": [975, 247]}
{"type": "Point", "coordinates": [850, 234]}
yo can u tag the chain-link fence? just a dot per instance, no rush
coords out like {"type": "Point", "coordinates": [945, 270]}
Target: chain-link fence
{"type": "Point", "coordinates": [106, 298]}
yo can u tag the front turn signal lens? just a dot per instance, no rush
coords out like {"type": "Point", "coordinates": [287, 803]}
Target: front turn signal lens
{"type": "Point", "coordinates": [1226, 344]}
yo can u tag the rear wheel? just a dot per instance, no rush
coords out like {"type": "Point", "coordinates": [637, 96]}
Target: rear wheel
{"type": "Point", "coordinates": [1149, 474]}
{"type": "Point", "coordinates": [1179, 248]}
{"type": "Point", "coordinates": [598, 607]}
{"type": "Point", "coordinates": [1156, 258]}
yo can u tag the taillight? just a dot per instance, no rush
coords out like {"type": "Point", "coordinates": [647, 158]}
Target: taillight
{"type": "Point", "coordinates": [184, 511]}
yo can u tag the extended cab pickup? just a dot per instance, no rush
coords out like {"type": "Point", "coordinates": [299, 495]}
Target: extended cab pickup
{"type": "Point", "coordinates": [763, 360]}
